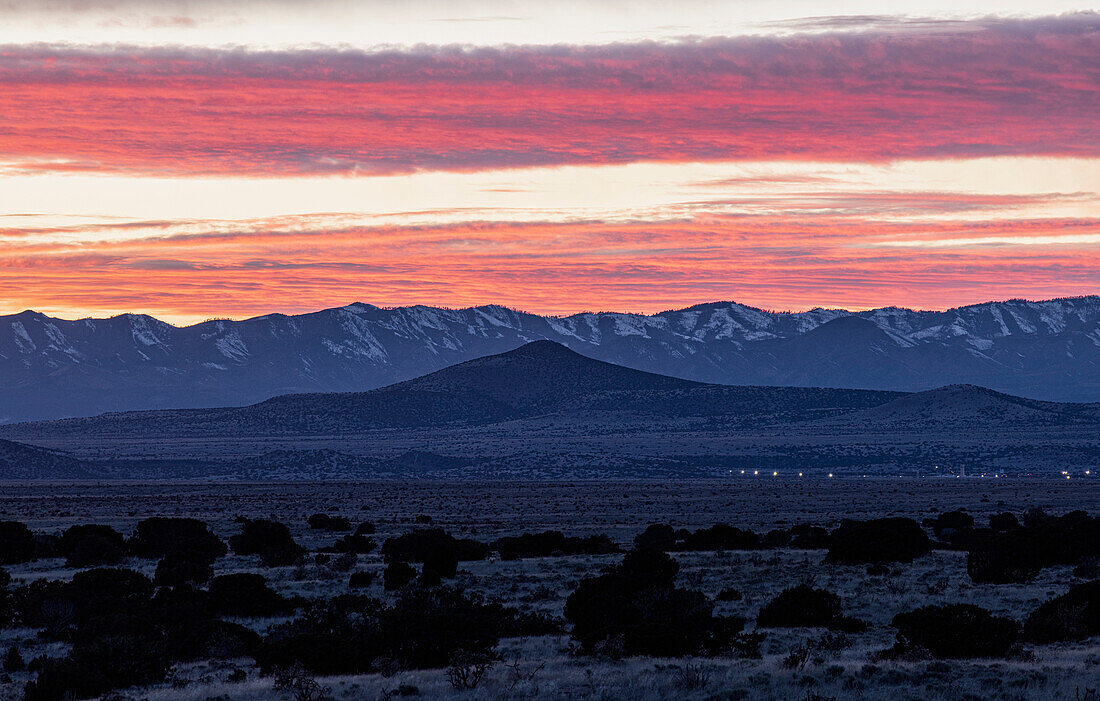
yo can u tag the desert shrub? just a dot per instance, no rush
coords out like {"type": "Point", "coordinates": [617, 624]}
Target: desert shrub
{"type": "Point", "coordinates": [956, 631]}
{"type": "Point", "coordinates": [657, 536]}
{"type": "Point", "coordinates": [13, 661]}
{"type": "Point", "coordinates": [66, 678]}
{"type": "Point", "coordinates": [951, 521]}
{"type": "Point", "coordinates": [365, 528]}
{"type": "Point", "coordinates": [720, 537]}
{"type": "Point", "coordinates": [356, 544]}
{"type": "Point", "coordinates": [181, 568]}
{"type": "Point", "coordinates": [246, 594]}
{"type": "Point", "coordinates": [800, 606]}
{"type": "Point", "coordinates": [46, 545]}
{"type": "Point", "coordinates": [806, 537]}
{"type": "Point", "coordinates": [16, 543]}
{"type": "Point", "coordinates": [360, 580]}
{"type": "Point", "coordinates": [301, 686]}
{"type": "Point", "coordinates": [324, 522]}
{"type": "Point", "coordinates": [443, 561]}
{"type": "Point", "coordinates": [111, 660]}
{"type": "Point", "coordinates": [877, 540]}
{"type": "Point", "coordinates": [92, 546]}
{"type": "Point", "coordinates": [1074, 615]}
{"type": "Point", "coordinates": [6, 612]}
{"type": "Point", "coordinates": [637, 609]}
{"type": "Point", "coordinates": [349, 634]}
{"type": "Point", "coordinates": [268, 539]}
{"type": "Point", "coordinates": [160, 536]}
{"type": "Point", "coordinates": [1005, 558]}
{"type": "Point", "coordinates": [422, 543]}
{"type": "Point", "coordinates": [729, 594]}
{"type": "Point", "coordinates": [1088, 568]}
{"type": "Point", "coordinates": [344, 562]}
{"type": "Point", "coordinates": [550, 543]}
{"type": "Point", "coordinates": [426, 627]}
{"type": "Point", "coordinates": [429, 578]}
{"type": "Point", "coordinates": [1003, 522]}
{"type": "Point", "coordinates": [467, 669]}
{"type": "Point", "coordinates": [210, 638]}
{"type": "Point", "coordinates": [776, 538]}
{"type": "Point", "coordinates": [397, 575]}
{"type": "Point", "coordinates": [61, 607]}
{"type": "Point", "coordinates": [1017, 555]}
{"type": "Point", "coordinates": [337, 636]}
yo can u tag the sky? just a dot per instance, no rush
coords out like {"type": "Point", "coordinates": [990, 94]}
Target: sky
{"type": "Point", "coordinates": [229, 159]}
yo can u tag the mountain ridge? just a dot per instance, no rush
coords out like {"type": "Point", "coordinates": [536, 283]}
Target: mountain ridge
{"type": "Point", "coordinates": [53, 368]}
{"type": "Point", "coordinates": [545, 409]}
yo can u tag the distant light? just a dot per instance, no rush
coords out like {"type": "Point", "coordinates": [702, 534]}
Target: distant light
{"type": "Point", "coordinates": [830, 474]}
{"type": "Point", "coordinates": [1067, 476]}
{"type": "Point", "coordinates": [756, 472]}
{"type": "Point", "coordinates": [799, 474]}
{"type": "Point", "coordinates": [742, 472]}
{"type": "Point", "coordinates": [774, 474]}
{"type": "Point", "coordinates": [1088, 472]}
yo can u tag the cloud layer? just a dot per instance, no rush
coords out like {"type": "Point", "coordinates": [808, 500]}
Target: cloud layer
{"type": "Point", "coordinates": [980, 88]}
{"type": "Point", "coordinates": [815, 250]}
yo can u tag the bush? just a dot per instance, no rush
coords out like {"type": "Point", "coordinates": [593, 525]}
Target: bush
{"type": "Point", "coordinates": [324, 522]}
{"type": "Point", "coordinates": [1003, 522]}
{"type": "Point", "coordinates": [952, 521]}
{"type": "Point", "coordinates": [365, 528]}
{"type": "Point", "coordinates": [361, 580]}
{"type": "Point", "coordinates": [658, 536]}
{"type": "Point", "coordinates": [1074, 615]}
{"type": "Point", "coordinates": [159, 537]}
{"type": "Point", "coordinates": [1005, 559]}
{"type": "Point", "coordinates": [957, 631]}
{"type": "Point", "coordinates": [176, 569]}
{"type": "Point", "coordinates": [877, 540]}
{"type": "Point", "coordinates": [112, 660]}
{"type": "Point", "coordinates": [92, 546]}
{"type": "Point", "coordinates": [635, 609]}
{"type": "Point", "coordinates": [247, 595]}
{"type": "Point", "coordinates": [13, 661]}
{"type": "Point", "coordinates": [550, 543]}
{"type": "Point", "coordinates": [351, 634]}
{"type": "Point", "coordinates": [422, 543]}
{"type": "Point", "coordinates": [729, 594]}
{"type": "Point", "coordinates": [66, 679]}
{"type": "Point", "coordinates": [443, 561]}
{"type": "Point", "coordinates": [720, 537]}
{"type": "Point", "coordinates": [16, 543]}
{"type": "Point", "coordinates": [804, 537]}
{"type": "Point", "coordinates": [801, 606]}
{"type": "Point", "coordinates": [397, 575]}
{"type": "Point", "coordinates": [356, 544]}
{"type": "Point", "coordinates": [1018, 554]}
{"type": "Point", "coordinates": [268, 539]}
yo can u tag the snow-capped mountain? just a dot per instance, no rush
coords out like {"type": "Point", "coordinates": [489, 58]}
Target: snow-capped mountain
{"type": "Point", "coordinates": [52, 368]}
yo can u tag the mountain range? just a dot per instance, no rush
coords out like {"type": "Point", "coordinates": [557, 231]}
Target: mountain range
{"type": "Point", "coordinates": [53, 368]}
{"type": "Point", "coordinates": [543, 406]}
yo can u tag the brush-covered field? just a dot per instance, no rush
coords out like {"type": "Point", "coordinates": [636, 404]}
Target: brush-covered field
{"type": "Point", "coordinates": [391, 589]}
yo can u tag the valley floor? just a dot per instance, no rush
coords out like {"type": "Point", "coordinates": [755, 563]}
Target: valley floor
{"type": "Point", "coordinates": [545, 667]}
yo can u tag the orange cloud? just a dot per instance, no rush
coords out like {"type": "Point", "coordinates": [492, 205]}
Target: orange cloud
{"type": "Point", "coordinates": [1007, 87]}
{"type": "Point", "coordinates": [773, 261]}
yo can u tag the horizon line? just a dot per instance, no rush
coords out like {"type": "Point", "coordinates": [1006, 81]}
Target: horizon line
{"type": "Point", "coordinates": [582, 312]}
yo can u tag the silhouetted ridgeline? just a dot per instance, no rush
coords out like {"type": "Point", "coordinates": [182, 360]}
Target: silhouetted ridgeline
{"type": "Point", "coordinates": [510, 412]}
{"type": "Point", "coordinates": [50, 368]}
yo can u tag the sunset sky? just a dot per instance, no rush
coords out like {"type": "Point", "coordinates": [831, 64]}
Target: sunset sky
{"type": "Point", "coordinates": [228, 159]}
